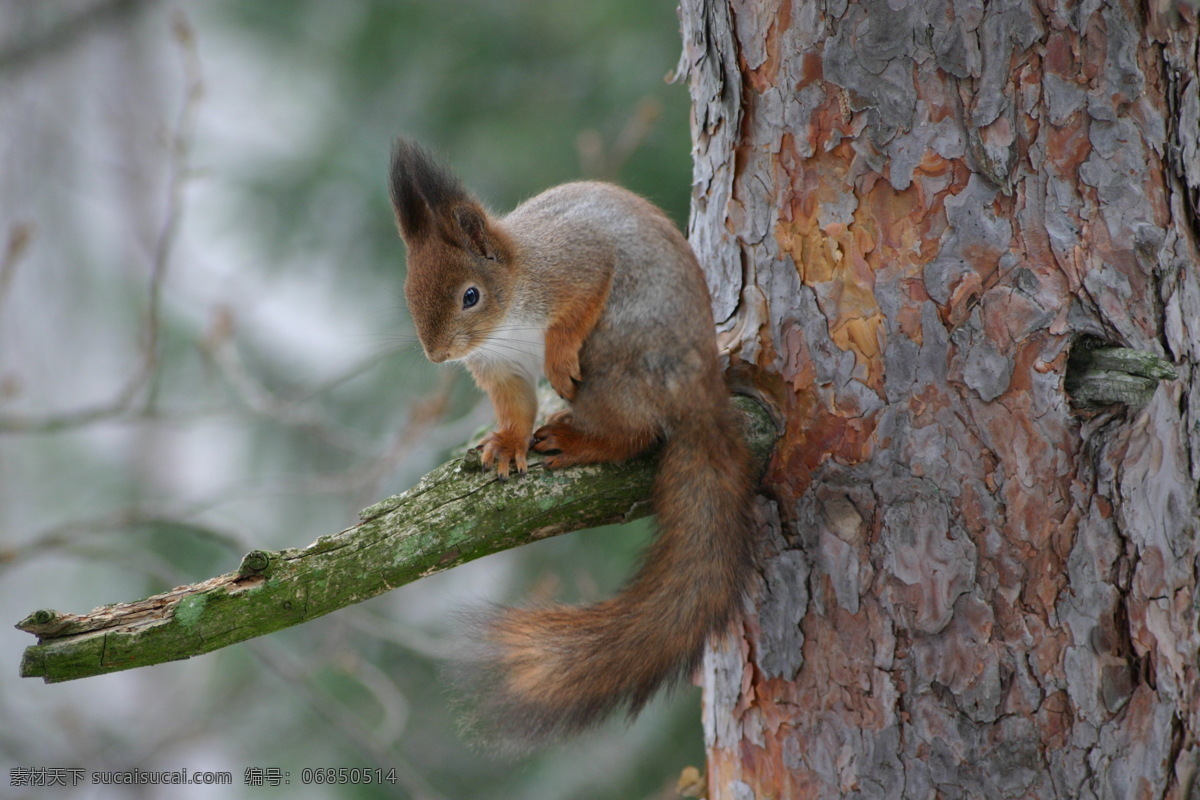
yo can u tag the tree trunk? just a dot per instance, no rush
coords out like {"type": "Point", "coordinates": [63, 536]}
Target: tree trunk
{"type": "Point", "coordinates": [909, 214]}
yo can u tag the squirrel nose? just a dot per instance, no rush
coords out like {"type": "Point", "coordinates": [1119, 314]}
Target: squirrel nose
{"type": "Point", "coordinates": [437, 355]}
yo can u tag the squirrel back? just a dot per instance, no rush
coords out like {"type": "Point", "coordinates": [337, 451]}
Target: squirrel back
{"type": "Point", "coordinates": [596, 286]}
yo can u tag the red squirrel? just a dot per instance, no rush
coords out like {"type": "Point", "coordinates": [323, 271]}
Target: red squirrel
{"type": "Point", "coordinates": [596, 288]}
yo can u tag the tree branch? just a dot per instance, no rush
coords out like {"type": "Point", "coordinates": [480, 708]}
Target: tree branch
{"type": "Point", "coordinates": [1100, 375]}
{"type": "Point", "coordinates": [454, 514]}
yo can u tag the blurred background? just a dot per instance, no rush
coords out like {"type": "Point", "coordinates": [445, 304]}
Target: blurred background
{"type": "Point", "coordinates": [204, 350]}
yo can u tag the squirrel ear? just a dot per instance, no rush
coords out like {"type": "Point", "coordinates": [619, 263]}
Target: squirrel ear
{"type": "Point", "coordinates": [476, 235]}
{"type": "Point", "coordinates": [430, 201]}
{"type": "Point", "coordinates": [421, 188]}
{"type": "Point", "coordinates": [412, 212]}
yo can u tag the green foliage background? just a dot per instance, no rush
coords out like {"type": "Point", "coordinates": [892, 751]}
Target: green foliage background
{"type": "Point", "coordinates": [286, 365]}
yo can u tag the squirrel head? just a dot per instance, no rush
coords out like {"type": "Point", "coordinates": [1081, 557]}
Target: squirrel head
{"type": "Point", "coordinates": [460, 265]}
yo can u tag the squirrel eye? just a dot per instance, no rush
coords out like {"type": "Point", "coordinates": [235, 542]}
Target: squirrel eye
{"type": "Point", "coordinates": [470, 297]}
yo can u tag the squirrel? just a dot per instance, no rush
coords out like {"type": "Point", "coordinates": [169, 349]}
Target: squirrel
{"type": "Point", "coordinates": [595, 287]}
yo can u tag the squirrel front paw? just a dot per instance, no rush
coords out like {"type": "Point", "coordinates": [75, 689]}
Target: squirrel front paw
{"type": "Point", "coordinates": [504, 450]}
{"type": "Point", "coordinates": [564, 375]}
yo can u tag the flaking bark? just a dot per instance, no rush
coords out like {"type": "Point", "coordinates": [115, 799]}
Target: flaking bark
{"type": "Point", "coordinates": [911, 214]}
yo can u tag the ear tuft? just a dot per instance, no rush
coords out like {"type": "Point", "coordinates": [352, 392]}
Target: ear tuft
{"type": "Point", "coordinates": [422, 189]}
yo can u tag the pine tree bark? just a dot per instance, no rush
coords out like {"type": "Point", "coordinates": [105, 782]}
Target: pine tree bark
{"type": "Point", "coordinates": [909, 214]}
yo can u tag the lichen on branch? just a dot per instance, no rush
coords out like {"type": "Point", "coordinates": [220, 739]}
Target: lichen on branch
{"type": "Point", "coordinates": [456, 513]}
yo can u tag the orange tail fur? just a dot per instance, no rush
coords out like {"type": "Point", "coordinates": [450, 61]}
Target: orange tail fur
{"type": "Point", "coordinates": [537, 674]}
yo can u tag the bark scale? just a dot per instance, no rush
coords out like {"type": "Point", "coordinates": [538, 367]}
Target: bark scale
{"type": "Point", "coordinates": [909, 212]}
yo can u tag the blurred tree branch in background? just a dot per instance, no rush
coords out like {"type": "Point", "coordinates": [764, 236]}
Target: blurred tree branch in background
{"type": "Point", "coordinates": [18, 242]}
{"type": "Point", "coordinates": [179, 147]}
{"type": "Point", "coordinates": [65, 32]}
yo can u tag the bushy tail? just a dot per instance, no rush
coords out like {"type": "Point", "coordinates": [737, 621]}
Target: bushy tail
{"type": "Point", "coordinates": [538, 674]}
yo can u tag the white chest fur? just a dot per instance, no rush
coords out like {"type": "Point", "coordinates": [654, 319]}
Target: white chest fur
{"type": "Point", "coordinates": [515, 347]}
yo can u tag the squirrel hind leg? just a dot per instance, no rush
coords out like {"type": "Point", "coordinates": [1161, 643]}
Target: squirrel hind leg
{"type": "Point", "coordinates": [565, 443]}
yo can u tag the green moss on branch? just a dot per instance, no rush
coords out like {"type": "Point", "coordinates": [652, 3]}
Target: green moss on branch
{"type": "Point", "coordinates": [454, 514]}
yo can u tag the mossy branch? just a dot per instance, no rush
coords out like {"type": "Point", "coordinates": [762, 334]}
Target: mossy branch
{"type": "Point", "coordinates": [1100, 375]}
{"type": "Point", "coordinates": [454, 514]}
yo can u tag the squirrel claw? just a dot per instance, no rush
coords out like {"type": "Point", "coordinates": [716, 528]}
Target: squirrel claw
{"type": "Point", "coordinates": [553, 439]}
{"type": "Point", "coordinates": [548, 438]}
{"type": "Point", "coordinates": [505, 451]}
{"type": "Point", "coordinates": [565, 379]}
{"type": "Point", "coordinates": [566, 391]}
